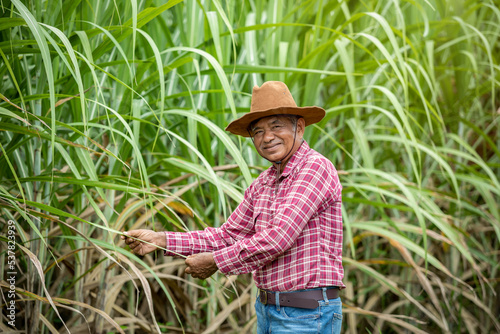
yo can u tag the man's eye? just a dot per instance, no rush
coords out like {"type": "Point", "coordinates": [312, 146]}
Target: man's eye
{"type": "Point", "coordinates": [258, 132]}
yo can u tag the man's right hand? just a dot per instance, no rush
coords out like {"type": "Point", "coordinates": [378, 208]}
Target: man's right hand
{"type": "Point", "coordinates": [138, 247]}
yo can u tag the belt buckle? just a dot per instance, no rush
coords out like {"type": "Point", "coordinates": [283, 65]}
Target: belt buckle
{"type": "Point", "coordinates": [263, 292]}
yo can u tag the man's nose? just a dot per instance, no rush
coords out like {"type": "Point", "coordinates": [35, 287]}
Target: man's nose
{"type": "Point", "coordinates": [268, 136]}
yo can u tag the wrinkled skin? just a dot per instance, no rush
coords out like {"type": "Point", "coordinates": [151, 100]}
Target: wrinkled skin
{"type": "Point", "coordinates": [273, 137]}
{"type": "Point", "coordinates": [201, 265]}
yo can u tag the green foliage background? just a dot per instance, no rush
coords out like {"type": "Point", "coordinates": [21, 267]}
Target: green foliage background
{"type": "Point", "coordinates": [112, 118]}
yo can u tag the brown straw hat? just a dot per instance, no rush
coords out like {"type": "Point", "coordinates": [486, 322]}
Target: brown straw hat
{"type": "Point", "coordinates": [273, 98]}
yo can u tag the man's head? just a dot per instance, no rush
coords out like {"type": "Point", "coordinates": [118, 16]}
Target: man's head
{"type": "Point", "coordinates": [271, 99]}
{"type": "Point", "coordinates": [277, 137]}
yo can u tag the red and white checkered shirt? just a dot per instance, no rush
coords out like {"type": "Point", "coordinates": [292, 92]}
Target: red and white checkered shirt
{"type": "Point", "coordinates": [288, 234]}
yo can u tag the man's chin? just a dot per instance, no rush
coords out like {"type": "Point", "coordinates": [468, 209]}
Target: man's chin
{"type": "Point", "coordinates": [274, 157]}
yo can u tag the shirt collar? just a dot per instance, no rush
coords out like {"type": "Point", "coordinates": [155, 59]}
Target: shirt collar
{"type": "Point", "coordinates": [295, 160]}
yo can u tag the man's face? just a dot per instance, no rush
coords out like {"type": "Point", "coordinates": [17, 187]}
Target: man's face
{"type": "Point", "coordinates": [274, 137]}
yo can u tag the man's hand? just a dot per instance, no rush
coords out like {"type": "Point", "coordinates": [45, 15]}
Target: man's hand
{"type": "Point", "coordinates": [138, 247]}
{"type": "Point", "coordinates": [201, 265]}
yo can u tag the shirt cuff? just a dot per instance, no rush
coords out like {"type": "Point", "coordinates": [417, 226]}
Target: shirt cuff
{"type": "Point", "coordinates": [177, 244]}
{"type": "Point", "coordinates": [228, 262]}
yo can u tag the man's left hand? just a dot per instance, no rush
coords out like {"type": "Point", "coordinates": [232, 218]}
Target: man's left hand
{"type": "Point", "coordinates": [201, 265]}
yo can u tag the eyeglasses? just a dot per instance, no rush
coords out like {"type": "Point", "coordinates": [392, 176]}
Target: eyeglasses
{"type": "Point", "coordinates": [260, 132]}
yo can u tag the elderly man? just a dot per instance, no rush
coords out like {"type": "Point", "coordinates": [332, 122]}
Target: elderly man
{"type": "Point", "coordinates": [287, 231]}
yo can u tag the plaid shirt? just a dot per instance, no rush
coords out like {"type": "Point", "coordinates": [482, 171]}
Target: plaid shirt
{"type": "Point", "coordinates": [287, 233]}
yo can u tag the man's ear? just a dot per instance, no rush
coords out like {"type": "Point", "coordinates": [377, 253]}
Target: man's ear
{"type": "Point", "coordinates": [301, 126]}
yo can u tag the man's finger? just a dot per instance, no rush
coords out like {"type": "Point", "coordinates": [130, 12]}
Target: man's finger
{"type": "Point", "coordinates": [137, 250]}
{"type": "Point", "coordinates": [189, 260]}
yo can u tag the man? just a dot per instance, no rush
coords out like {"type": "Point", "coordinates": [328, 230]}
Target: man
{"type": "Point", "coordinates": [287, 230]}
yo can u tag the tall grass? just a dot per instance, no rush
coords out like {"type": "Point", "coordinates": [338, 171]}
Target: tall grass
{"type": "Point", "coordinates": [112, 118]}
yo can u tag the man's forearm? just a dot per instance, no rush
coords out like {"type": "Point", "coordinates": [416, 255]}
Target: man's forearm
{"type": "Point", "coordinates": [187, 243]}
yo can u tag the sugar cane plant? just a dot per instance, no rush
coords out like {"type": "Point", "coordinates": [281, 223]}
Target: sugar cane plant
{"type": "Point", "coordinates": [112, 117]}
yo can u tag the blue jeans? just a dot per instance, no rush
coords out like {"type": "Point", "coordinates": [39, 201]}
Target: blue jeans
{"type": "Point", "coordinates": [275, 319]}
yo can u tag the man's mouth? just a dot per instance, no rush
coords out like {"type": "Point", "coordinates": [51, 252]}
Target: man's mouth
{"type": "Point", "coordinates": [271, 146]}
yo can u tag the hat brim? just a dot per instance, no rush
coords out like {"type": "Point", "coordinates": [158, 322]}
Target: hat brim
{"type": "Point", "coordinates": [311, 115]}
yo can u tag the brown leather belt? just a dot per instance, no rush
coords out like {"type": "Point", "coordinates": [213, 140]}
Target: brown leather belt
{"type": "Point", "coordinates": [301, 299]}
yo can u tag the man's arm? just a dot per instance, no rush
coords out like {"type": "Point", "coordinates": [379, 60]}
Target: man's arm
{"type": "Point", "coordinates": [142, 242]}
{"type": "Point", "coordinates": [240, 225]}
